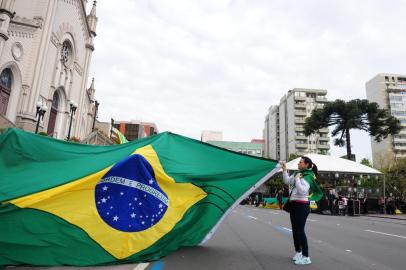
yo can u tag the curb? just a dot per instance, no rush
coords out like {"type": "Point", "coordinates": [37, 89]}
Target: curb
{"type": "Point", "coordinates": [398, 218]}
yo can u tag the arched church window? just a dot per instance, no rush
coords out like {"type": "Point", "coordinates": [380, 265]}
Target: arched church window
{"type": "Point", "coordinates": [6, 78]}
{"type": "Point", "coordinates": [53, 115]}
{"type": "Point", "coordinates": [66, 52]}
{"type": "Point", "coordinates": [55, 100]}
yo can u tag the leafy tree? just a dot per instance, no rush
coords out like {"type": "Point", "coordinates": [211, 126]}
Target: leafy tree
{"type": "Point", "coordinates": [366, 162]}
{"type": "Point", "coordinates": [292, 157]}
{"type": "Point", "coordinates": [353, 114]}
{"type": "Point", "coordinates": [395, 174]}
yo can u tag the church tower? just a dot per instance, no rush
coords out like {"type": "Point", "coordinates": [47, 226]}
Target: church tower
{"type": "Point", "coordinates": [45, 49]}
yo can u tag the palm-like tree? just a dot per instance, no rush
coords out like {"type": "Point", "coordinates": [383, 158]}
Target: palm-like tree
{"type": "Point", "coordinates": [354, 114]}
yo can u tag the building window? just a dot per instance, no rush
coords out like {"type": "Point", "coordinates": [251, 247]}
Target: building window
{"type": "Point", "coordinates": [6, 80]}
{"type": "Point", "coordinates": [66, 52]}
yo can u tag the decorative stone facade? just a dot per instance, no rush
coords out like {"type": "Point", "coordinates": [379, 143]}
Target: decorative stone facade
{"type": "Point", "coordinates": [45, 53]}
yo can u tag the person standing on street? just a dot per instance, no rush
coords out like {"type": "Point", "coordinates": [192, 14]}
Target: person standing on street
{"type": "Point", "coordinates": [302, 183]}
{"type": "Point", "coordinates": [279, 197]}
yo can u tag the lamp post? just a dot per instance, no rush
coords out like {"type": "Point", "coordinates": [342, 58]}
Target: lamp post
{"type": "Point", "coordinates": [384, 194]}
{"type": "Point", "coordinates": [41, 110]}
{"type": "Point", "coordinates": [112, 125]}
{"type": "Point", "coordinates": [96, 107]}
{"type": "Point", "coordinates": [73, 107]}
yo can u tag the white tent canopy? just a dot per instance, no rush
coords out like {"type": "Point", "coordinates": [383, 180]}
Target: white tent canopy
{"type": "Point", "coordinates": [334, 164]}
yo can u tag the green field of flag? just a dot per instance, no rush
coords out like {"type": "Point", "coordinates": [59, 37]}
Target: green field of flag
{"type": "Point", "coordinates": [64, 203]}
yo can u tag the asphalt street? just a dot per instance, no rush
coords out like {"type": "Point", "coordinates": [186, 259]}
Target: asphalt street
{"type": "Point", "coordinates": [255, 238]}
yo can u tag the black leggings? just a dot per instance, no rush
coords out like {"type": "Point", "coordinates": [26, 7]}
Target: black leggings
{"type": "Point", "coordinates": [298, 216]}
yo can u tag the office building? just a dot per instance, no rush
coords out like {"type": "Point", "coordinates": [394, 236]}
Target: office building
{"type": "Point", "coordinates": [210, 135]}
{"type": "Point", "coordinates": [284, 125]}
{"type": "Point", "coordinates": [389, 91]}
{"type": "Point", "coordinates": [253, 148]}
{"type": "Point", "coordinates": [134, 130]}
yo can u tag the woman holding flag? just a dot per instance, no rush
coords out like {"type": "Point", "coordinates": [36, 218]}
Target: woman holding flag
{"type": "Point", "coordinates": [302, 183]}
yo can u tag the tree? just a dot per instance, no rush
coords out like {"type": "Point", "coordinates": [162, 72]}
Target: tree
{"type": "Point", "coordinates": [395, 175]}
{"type": "Point", "coordinates": [354, 114]}
{"type": "Point", "coordinates": [366, 162]}
{"type": "Point", "coordinates": [292, 157]}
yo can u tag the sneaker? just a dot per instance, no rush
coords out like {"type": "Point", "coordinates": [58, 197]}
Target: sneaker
{"type": "Point", "coordinates": [298, 256]}
{"type": "Point", "coordinates": [302, 261]}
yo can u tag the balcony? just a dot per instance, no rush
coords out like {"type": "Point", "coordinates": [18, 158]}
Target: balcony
{"type": "Point", "coordinates": [321, 99]}
{"type": "Point", "coordinates": [299, 120]}
{"type": "Point", "coordinates": [300, 113]}
{"type": "Point", "coordinates": [299, 128]}
{"type": "Point", "coordinates": [300, 137]}
{"type": "Point", "coordinates": [324, 130]}
{"type": "Point", "coordinates": [399, 140]}
{"type": "Point", "coordinates": [396, 147]}
{"type": "Point", "coordinates": [300, 106]}
{"type": "Point", "coordinates": [324, 139]}
{"type": "Point", "coordinates": [297, 98]}
{"type": "Point", "coordinates": [301, 145]}
{"type": "Point", "coordinates": [301, 153]}
{"type": "Point", "coordinates": [323, 146]}
{"type": "Point", "coordinates": [319, 106]}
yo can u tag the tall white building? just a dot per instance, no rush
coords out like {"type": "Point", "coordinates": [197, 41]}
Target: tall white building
{"type": "Point", "coordinates": [45, 52]}
{"type": "Point", "coordinates": [210, 135]}
{"type": "Point", "coordinates": [389, 91]}
{"type": "Point", "coordinates": [284, 125]}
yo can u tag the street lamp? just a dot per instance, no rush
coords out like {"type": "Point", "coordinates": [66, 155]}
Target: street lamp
{"type": "Point", "coordinates": [112, 126]}
{"type": "Point", "coordinates": [41, 110]}
{"type": "Point", "coordinates": [96, 107]}
{"type": "Point", "coordinates": [73, 107]}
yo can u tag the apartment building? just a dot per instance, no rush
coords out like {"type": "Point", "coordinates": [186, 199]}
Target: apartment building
{"type": "Point", "coordinates": [389, 91]}
{"type": "Point", "coordinates": [210, 135]}
{"type": "Point", "coordinates": [284, 125]}
{"type": "Point", "coordinates": [134, 130]}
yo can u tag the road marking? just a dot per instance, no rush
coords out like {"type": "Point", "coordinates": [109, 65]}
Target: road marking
{"type": "Point", "coordinates": [274, 213]}
{"type": "Point", "coordinates": [348, 250]}
{"type": "Point", "coordinates": [283, 229]}
{"type": "Point", "coordinates": [389, 234]}
{"type": "Point", "coordinates": [253, 217]}
{"type": "Point", "coordinates": [287, 229]}
{"type": "Point", "coordinates": [141, 266]}
{"type": "Point", "coordinates": [157, 266]}
{"type": "Point", "coordinates": [311, 220]}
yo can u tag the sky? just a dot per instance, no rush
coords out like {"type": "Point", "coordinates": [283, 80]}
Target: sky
{"type": "Point", "coordinates": [193, 65]}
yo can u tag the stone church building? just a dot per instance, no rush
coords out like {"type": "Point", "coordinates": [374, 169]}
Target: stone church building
{"type": "Point", "coordinates": [46, 48]}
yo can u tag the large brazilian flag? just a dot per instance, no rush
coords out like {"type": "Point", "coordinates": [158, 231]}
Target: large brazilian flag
{"type": "Point", "coordinates": [70, 204]}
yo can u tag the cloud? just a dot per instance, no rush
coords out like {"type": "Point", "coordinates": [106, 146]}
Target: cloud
{"type": "Point", "coordinates": [219, 64]}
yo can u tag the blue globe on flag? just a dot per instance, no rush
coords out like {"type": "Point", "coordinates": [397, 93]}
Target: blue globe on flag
{"type": "Point", "coordinates": [128, 197]}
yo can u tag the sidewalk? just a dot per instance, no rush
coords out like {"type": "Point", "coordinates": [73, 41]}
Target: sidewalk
{"type": "Point", "coordinates": [399, 216]}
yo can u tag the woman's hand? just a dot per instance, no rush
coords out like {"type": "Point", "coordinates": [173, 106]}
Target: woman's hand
{"type": "Point", "coordinates": [283, 165]}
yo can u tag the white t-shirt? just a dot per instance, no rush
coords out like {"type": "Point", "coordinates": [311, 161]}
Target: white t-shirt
{"type": "Point", "coordinates": [301, 188]}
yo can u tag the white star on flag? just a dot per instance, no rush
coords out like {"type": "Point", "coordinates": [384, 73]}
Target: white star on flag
{"type": "Point", "coordinates": [160, 205]}
{"type": "Point", "coordinates": [121, 193]}
{"type": "Point", "coordinates": [133, 215]}
{"type": "Point", "coordinates": [103, 200]}
{"type": "Point", "coordinates": [115, 218]}
{"type": "Point", "coordinates": [105, 188]}
{"type": "Point", "coordinates": [151, 181]}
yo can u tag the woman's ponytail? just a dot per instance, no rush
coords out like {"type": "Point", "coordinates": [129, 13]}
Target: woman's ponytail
{"type": "Point", "coordinates": [315, 170]}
